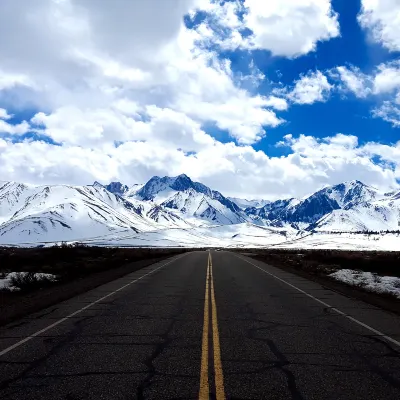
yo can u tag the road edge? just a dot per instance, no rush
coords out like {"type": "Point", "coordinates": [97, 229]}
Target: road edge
{"type": "Point", "coordinates": [40, 300]}
{"type": "Point", "coordinates": [352, 292]}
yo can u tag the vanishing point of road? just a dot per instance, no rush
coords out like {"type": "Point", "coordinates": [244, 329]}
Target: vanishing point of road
{"type": "Point", "coordinates": [204, 325]}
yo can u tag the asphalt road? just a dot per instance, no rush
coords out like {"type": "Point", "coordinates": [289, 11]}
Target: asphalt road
{"type": "Point", "coordinates": [204, 326]}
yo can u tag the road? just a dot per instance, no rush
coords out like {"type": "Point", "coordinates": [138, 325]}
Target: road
{"type": "Point", "coordinates": [204, 325]}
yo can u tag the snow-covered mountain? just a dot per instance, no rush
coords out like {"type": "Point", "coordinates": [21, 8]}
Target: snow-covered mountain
{"type": "Point", "coordinates": [58, 213]}
{"type": "Point", "coordinates": [173, 209]}
{"type": "Point", "coordinates": [379, 215]}
{"type": "Point", "coordinates": [244, 203]}
{"type": "Point", "coordinates": [54, 213]}
{"type": "Point", "coordinates": [117, 188]}
{"type": "Point", "coordinates": [191, 200]}
{"type": "Point", "coordinates": [303, 213]}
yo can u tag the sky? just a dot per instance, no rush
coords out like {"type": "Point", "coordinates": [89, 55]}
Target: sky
{"type": "Point", "coordinates": [256, 99]}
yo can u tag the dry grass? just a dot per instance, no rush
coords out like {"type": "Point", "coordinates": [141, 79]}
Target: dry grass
{"type": "Point", "coordinates": [326, 261]}
{"type": "Point", "coordinates": [69, 263]}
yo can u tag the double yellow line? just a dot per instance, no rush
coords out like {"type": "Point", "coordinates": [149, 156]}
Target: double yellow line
{"type": "Point", "coordinates": [218, 374]}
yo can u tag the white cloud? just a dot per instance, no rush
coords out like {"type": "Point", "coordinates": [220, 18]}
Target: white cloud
{"type": "Point", "coordinates": [14, 129]}
{"type": "Point", "coordinates": [10, 80]}
{"type": "Point", "coordinates": [389, 112]}
{"type": "Point", "coordinates": [354, 80]}
{"type": "Point", "coordinates": [381, 18]}
{"type": "Point", "coordinates": [102, 127]}
{"type": "Point", "coordinates": [387, 78]}
{"type": "Point", "coordinates": [232, 169]}
{"type": "Point", "coordinates": [288, 28]}
{"type": "Point", "coordinates": [382, 84]}
{"type": "Point", "coordinates": [4, 114]}
{"type": "Point", "coordinates": [277, 102]}
{"type": "Point", "coordinates": [129, 92]}
{"type": "Point", "coordinates": [340, 158]}
{"type": "Point", "coordinates": [43, 163]}
{"type": "Point", "coordinates": [243, 117]}
{"type": "Point", "coordinates": [89, 55]}
{"type": "Point", "coordinates": [19, 129]}
{"type": "Point", "coordinates": [310, 88]}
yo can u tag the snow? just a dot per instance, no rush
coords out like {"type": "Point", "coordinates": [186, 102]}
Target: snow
{"type": "Point", "coordinates": [369, 281]}
{"type": "Point", "coordinates": [5, 279]}
{"type": "Point", "coordinates": [352, 190]}
{"type": "Point", "coordinates": [383, 214]}
{"type": "Point", "coordinates": [244, 203]}
{"type": "Point", "coordinates": [131, 192]}
{"type": "Point", "coordinates": [179, 212]}
{"type": "Point", "coordinates": [344, 241]}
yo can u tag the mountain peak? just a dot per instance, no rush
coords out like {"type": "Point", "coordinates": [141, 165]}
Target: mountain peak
{"type": "Point", "coordinates": [182, 182]}
{"type": "Point", "coordinates": [97, 184]}
{"type": "Point", "coordinates": [182, 176]}
{"type": "Point", "coordinates": [354, 182]}
{"type": "Point", "coordinates": [156, 185]}
{"type": "Point", "coordinates": [117, 188]}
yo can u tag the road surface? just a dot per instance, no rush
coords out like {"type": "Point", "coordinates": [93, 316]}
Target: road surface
{"type": "Point", "coordinates": [204, 325]}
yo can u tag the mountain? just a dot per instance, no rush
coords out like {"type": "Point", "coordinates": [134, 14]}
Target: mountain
{"type": "Point", "coordinates": [244, 203]}
{"type": "Point", "coordinates": [378, 215]}
{"type": "Point", "coordinates": [11, 194]}
{"type": "Point", "coordinates": [61, 212]}
{"type": "Point", "coordinates": [117, 188]}
{"type": "Point", "coordinates": [192, 200]}
{"type": "Point", "coordinates": [276, 210]}
{"type": "Point", "coordinates": [178, 210]}
{"type": "Point", "coordinates": [309, 210]}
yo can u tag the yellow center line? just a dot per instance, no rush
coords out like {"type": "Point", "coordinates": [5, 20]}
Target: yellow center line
{"type": "Point", "coordinates": [204, 386]}
{"type": "Point", "coordinates": [219, 377]}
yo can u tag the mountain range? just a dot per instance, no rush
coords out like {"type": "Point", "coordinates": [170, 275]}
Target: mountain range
{"type": "Point", "coordinates": [179, 211]}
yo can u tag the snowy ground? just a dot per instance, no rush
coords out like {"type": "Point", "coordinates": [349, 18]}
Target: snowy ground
{"type": "Point", "coordinates": [344, 241]}
{"type": "Point", "coordinates": [6, 278]}
{"type": "Point", "coordinates": [230, 236]}
{"type": "Point", "coordinates": [236, 235]}
{"type": "Point", "coordinates": [369, 281]}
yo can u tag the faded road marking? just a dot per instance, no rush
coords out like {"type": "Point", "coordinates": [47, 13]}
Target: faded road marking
{"type": "Point", "coordinates": [373, 330]}
{"type": "Point", "coordinates": [30, 337]}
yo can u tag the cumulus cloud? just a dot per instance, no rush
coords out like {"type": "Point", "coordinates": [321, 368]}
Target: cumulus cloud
{"type": "Point", "coordinates": [387, 78]}
{"type": "Point", "coordinates": [353, 80]}
{"type": "Point", "coordinates": [232, 169]}
{"type": "Point", "coordinates": [127, 91]}
{"type": "Point", "coordinates": [381, 19]}
{"type": "Point", "coordinates": [13, 129]}
{"type": "Point", "coordinates": [288, 28]}
{"type": "Point", "coordinates": [383, 84]}
{"type": "Point", "coordinates": [4, 114]}
{"type": "Point", "coordinates": [310, 88]}
{"type": "Point", "coordinates": [11, 80]}
{"type": "Point", "coordinates": [277, 102]}
{"type": "Point", "coordinates": [389, 112]}
{"type": "Point", "coordinates": [91, 54]}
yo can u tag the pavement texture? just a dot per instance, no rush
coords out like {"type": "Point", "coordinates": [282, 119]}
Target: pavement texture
{"type": "Point", "coordinates": [143, 336]}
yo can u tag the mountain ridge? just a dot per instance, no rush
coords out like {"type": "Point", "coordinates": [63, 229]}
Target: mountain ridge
{"type": "Point", "coordinates": [66, 212]}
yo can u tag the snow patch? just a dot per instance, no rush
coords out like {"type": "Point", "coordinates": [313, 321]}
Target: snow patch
{"type": "Point", "coordinates": [369, 281]}
{"type": "Point", "coordinates": [6, 278]}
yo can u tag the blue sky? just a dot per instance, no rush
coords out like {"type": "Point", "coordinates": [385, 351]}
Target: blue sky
{"type": "Point", "coordinates": [256, 99]}
{"type": "Point", "coordinates": [342, 113]}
